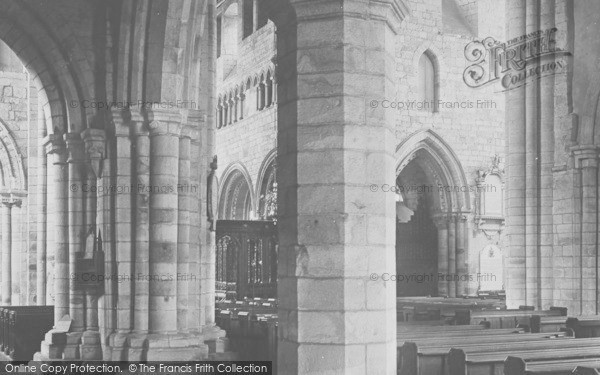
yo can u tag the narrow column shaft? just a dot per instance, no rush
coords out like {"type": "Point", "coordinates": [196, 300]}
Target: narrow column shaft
{"type": "Point", "coordinates": [195, 310]}
{"type": "Point", "coordinates": [41, 228]}
{"type": "Point", "coordinates": [442, 230]}
{"type": "Point", "coordinates": [6, 253]}
{"type": "Point", "coordinates": [91, 299]}
{"type": "Point", "coordinates": [76, 228]}
{"type": "Point", "coordinates": [184, 278]}
{"type": "Point", "coordinates": [58, 252]}
{"type": "Point", "coordinates": [452, 257]}
{"type": "Point", "coordinates": [462, 270]}
{"type": "Point", "coordinates": [141, 166]}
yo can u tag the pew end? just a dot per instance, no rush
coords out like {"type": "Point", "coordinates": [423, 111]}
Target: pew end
{"type": "Point", "coordinates": [514, 366]}
{"type": "Point", "coordinates": [457, 362]}
{"type": "Point", "coordinates": [407, 357]}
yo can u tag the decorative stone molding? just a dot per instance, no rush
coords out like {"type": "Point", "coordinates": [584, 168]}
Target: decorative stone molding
{"type": "Point", "coordinates": [393, 12]}
{"type": "Point", "coordinates": [585, 156]}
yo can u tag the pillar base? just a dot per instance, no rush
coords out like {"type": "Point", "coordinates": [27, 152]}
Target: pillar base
{"type": "Point", "coordinates": [91, 347]}
{"type": "Point", "coordinates": [157, 347]}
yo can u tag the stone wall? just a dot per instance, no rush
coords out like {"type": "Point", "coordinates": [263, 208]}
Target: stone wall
{"type": "Point", "coordinates": [470, 121]}
{"type": "Point", "coordinates": [18, 113]}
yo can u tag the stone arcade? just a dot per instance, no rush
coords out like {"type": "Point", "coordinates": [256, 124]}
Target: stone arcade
{"type": "Point", "coordinates": [141, 140]}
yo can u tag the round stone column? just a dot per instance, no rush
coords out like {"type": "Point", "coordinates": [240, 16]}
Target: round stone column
{"type": "Point", "coordinates": [76, 219]}
{"type": "Point", "coordinates": [165, 128]}
{"type": "Point", "coordinates": [58, 252]}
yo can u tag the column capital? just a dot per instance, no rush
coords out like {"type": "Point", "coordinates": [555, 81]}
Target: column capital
{"type": "Point", "coordinates": [189, 131]}
{"type": "Point", "coordinates": [95, 149]}
{"type": "Point", "coordinates": [440, 220]}
{"type": "Point", "coordinates": [11, 198]}
{"type": "Point", "coordinates": [54, 144]}
{"type": "Point", "coordinates": [74, 147]}
{"type": "Point", "coordinates": [164, 121]}
{"type": "Point", "coordinates": [119, 120]}
{"type": "Point", "coordinates": [586, 156]}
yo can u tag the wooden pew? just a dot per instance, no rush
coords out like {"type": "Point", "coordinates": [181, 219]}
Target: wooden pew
{"type": "Point", "coordinates": [427, 356]}
{"type": "Point", "coordinates": [518, 366]}
{"type": "Point", "coordinates": [585, 326]}
{"type": "Point", "coordinates": [504, 318]}
{"type": "Point", "coordinates": [27, 330]}
{"type": "Point", "coordinates": [423, 335]}
{"type": "Point", "coordinates": [405, 327]}
{"type": "Point", "coordinates": [539, 323]}
{"type": "Point", "coordinates": [5, 323]}
{"type": "Point", "coordinates": [489, 359]}
{"type": "Point", "coordinates": [582, 370]}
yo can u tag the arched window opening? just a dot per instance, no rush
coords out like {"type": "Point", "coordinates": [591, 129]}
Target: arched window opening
{"type": "Point", "coordinates": [248, 17]}
{"type": "Point", "coordinates": [427, 90]}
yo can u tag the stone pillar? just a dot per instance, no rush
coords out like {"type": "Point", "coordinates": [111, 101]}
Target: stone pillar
{"type": "Point", "coordinates": [42, 261]}
{"type": "Point", "coordinates": [183, 232]}
{"type": "Point", "coordinates": [516, 125]}
{"type": "Point", "coordinates": [452, 256]}
{"type": "Point", "coordinates": [141, 166]}
{"type": "Point", "coordinates": [58, 252]}
{"type": "Point", "coordinates": [462, 269]}
{"type": "Point", "coordinates": [6, 251]}
{"type": "Point", "coordinates": [441, 222]}
{"type": "Point", "coordinates": [191, 130]}
{"type": "Point", "coordinates": [586, 158]}
{"type": "Point", "coordinates": [94, 140]}
{"type": "Point", "coordinates": [165, 342]}
{"type": "Point", "coordinates": [76, 217]}
{"type": "Point", "coordinates": [332, 318]}
{"type": "Point", "coordinates": [164, 157]}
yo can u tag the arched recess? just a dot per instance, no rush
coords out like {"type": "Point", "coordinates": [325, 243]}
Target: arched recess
{"type": "Point", "coordinates": [266, 188]}
{"type": "Point", "coordinates": [12, 174]}
{"type": "Point", "coordinates": [444, 165]}
{"type": "Point", "coordinates": [433, 187]}
{"type": "Point", "coordinates": [236, 195]}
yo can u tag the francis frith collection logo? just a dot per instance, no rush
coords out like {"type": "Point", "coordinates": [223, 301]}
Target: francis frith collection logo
{"type": "Point", "coordinates": [519, 60]}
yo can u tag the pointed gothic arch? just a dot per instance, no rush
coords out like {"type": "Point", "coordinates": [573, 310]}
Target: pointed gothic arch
{"type": "Point", "coordinates": [236, 195]}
